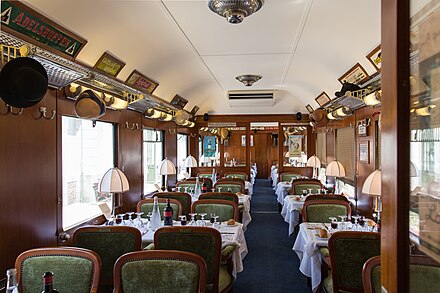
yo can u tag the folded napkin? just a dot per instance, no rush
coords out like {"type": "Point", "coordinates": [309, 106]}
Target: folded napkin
{"type": "Point", "coordinates": [313, 245]}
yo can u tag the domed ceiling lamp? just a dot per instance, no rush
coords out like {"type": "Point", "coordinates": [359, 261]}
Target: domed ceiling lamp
{"type": "Point", "coordinates": [235, 10]}
{"type": "Point", "coordinates": [248, 79]}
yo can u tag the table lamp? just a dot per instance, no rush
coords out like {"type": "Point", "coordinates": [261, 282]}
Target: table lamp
{"type": "Point", "coordinates": [190, 162]}
{"type": "Point", "coordinates": [314, 162]}
{"type": "Point", "coordinates": [226, 155]}
{"type": "Point", "coordinates": [166, 167]}
{"type": "Point", "coordinates": [335, 169]}
{"type": "Point", "coordinates": [113, 181]}
{"type": "Point", "coordinates": [373, 186]}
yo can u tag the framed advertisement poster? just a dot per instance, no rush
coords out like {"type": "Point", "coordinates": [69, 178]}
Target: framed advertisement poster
{"type": "Point", "coordinates": [295, 145]}
{"type": "Point", "coordinates": [209, 146]}
{"type": "Point", "coordinates": [375, 57]}
{"type": "Point", "coordinates": [364, 152]}
{"type": "Point", "coordinates": [356, 75]}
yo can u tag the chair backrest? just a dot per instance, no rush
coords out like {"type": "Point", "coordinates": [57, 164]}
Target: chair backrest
{"type": "Point", "coordinates": [224, 209]}
{"type": "Point", "coordinates": [298, 185]}
{"type": "Point", "coordinates": [241, 175]}
{"type": "Point", "coordinates": [319, 211]}
{"type": "Point", "coordinates": [208, 182]}
{"type": "Point", "coordinates": [160, 271]}
{"type": "Point", "coordinates": [220, 195]}
{"type": "Point", "coordinates": [184, 199]}
{"type": "Point", "coordinates": [223, 179]}
{"type": "Point", "coordinates": [326, 196]}
{"type": "Point", "coordinates": [234, 186]}
{"type": "Point", "coordinates": [75, 269]}
{"type": "Point", "coordinates": [424, 274]}
{"type": "Point", "coordinates": [287, 176]}
{"type": "Point", "coordinates": [204, 174]}
{"type": "Point", "coordinates": [146, 206]}
{"type": "Point", "coordinates": [203, 241]}
{"type": "Point", "coordinates": [109, 242]}
{"type": "Point", "coordinates": [191, 183]}
{"type": "Point", "coordinates": [349, 250]}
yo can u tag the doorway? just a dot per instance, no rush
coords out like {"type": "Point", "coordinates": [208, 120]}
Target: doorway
{"type": "Point", "coordinates": [264, 147]}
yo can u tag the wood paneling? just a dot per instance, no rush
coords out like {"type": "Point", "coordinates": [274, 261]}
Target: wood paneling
{"type": "Point", "coordinates": [262, 147]}
{"type": "Point", "coordinates": [253, 118]}
{"type": "Point", "coordinates": [28, 181]}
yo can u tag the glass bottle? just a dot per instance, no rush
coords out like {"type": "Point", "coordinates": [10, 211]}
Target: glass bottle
{"type": "Point", "coordinates": [48, 283]}
{"type": "Point", "coordinates": [197, 189]}
{"type": "Point", "coordinates": [11, 281]}
{"type": "Point", "coordinates": [155, 216]}
{"type": "Point", "coordinates": [213, 177]}
{"type": "Point", "coordinates": [204, 187]}
{"type": "Point", "coordinates": [168, 214]}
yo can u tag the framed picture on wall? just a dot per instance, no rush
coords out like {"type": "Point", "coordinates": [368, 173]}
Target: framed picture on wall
{"type": "Point", "coordinates": [322, 99]}
{"type": "Point", "coordinates": [364, 152]}
{"type": "Point", "coordinates": [375, 57]}
{"type": "Point", "coordinates": [356, 75]}
{"type": "Point", "coordinates": [109, 64]}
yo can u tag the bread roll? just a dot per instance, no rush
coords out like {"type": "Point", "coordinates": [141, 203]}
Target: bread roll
{"type": "Point", "coordinates": [231, 222]}
{"type": "Point", "coordinates": [322, 233]}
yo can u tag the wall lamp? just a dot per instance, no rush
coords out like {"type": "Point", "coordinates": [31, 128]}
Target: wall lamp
{"type": "Point", "coordinates": [373, 99]}
{"type": "Point", "coordinates": [114, 102]}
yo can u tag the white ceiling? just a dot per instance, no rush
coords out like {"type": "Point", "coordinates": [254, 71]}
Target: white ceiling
{"type": "Point", "coordinates": [300, 47]}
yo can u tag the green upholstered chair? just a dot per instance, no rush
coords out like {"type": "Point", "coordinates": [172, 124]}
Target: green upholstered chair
{"type": "Point", "coordinates": [288, 177]}
{"type": "Point", "coordinates": [75, 269]}
{"type": "Point", "coordinates": [234, 186]}
{"type": "Point", "coordinates": [184, 199]}
{"type": "Point", "coordinates": [203, 241]}
{"type": "Point", "coordinates": [298, 185]}
{"type": "Point", "coordinates": [424, 274]}
{"type": "Point", "coordinates": [169, 271]}
{"type": "Point", "coordinates": [319, 211]}
{"type": "Point", "coordinates": [326, 196]}
{"type": "Point", "coordinates": [208, 182]}
{"type": "Point", "coordinates": [109, 242]}
{"type": "Point", "coordinates": [220, 195]}
{"type": "Point", "coordinates": [204, 174]}
{"type": "Point", "coordinates": [241, 175]}
{"type": "Point", "coordinates": [180, 186]}
{"type": "Point", "coordinates": [349, 250]}
{"type": "Point", "coordinates": [225, 209]}
{"type": "Point", "coordinates": [229, 179]}
{"type": "Point", "coordinates": [146, 206]}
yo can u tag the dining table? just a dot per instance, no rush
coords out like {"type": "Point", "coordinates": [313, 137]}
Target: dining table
{"type": "Point", "coordinates": [291, 210]}
{"type": "Point", "coordinates": [231, 235]}
{"type": "Point", "coordinates": [282, 190]}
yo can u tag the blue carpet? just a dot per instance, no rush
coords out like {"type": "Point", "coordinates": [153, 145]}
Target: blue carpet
{"type": "Point", "coordinates": [271, 265]}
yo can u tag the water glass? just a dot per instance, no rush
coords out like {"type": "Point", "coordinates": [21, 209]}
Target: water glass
{"type": "Point", "coordinates": [119, 219]}
{"type": "Point", "coordinates": [182, 220]}
{"type": "Point", "coordinates": [193, 219]}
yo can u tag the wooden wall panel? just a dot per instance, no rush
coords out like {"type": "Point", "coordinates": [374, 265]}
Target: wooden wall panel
{"type": "Point", "coordinates": [28, 181]}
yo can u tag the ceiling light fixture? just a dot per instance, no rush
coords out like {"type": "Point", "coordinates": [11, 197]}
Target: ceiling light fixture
{"type": "Point", "coordinates": [235, 10]}
{"type": "Point", "coordinates": [248, 79]}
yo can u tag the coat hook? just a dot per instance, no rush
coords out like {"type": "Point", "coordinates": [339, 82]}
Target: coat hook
{"type": "Point", "coordinates": [128, 126]}
{"type": "Point", "coordinates": [12, 112]}
{"type": "Point", "coordinates": [138, 127]}
{"type": "Point", "coordinates": [172, 131]}
{"type": "Point", "coordinates": [193, 134]}
{"type": "Point", "coordinates": [43, 111]}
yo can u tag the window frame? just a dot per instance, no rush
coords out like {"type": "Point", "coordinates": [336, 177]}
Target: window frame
{"type": "Point", "coordinates": [163, 141]}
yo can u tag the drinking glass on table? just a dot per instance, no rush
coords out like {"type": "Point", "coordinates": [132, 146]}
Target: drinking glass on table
{"type": "Point", "coordinates": [130, 218]}
{"type": "Point", "coordinates": [182, 220]}
{"type": "Point", "coordinates": [193, 219]}
{"type": "Point", "coordinates": [310, 191]}
{"type": "Point", "coordinates": [185, 189]}
{"type": "Point", "coordinates": [356, 221]}
{"type": "Point", "coordinates": [304, 192]}
{"type": "Point", "coordinates": [215, 225]}
{"type": "Point", "coordinates": [343, 220]}
{"type": "Point", "coordinates": [362, 222]}
{"type": "Point", "coordinates": [178, 188]}
{"type": "Point", "coordinates": [138, 221]}
{"type": "Point", "coordinates": [149, 215]}
{"type": "Point", "coordinates": [119, 219]}
{"type": "Point", "coordinates": [333, 223]}
{"type": "Point", "coordinates": [219, 189]}
{"type": "Point", "coordinates": [201, 222]}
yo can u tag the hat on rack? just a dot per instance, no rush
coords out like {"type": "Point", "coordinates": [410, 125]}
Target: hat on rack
{"type": "Point", "coordinates": [346, 86]}
{"type": "Point", "coordinates": [89, 105]}
{"type": "Point", "coordinates": [319, 117]}
{"type": "Point", "coordinates": [23, 82]}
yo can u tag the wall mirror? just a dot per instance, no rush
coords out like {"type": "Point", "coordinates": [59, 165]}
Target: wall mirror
{"type": "Point", "coordinates": [235, 147]}
{"type": "Point", "coordinates": [295, 146]}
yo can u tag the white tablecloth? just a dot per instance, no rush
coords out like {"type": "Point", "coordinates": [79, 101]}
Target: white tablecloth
{"type": "Point", "coordinates": [290, 211]}
{"type": "Point", "coordinates": [282, 191]}
{"type": "Point", "coordinates": [244, 199]}
{"type": "Point", "coordinates": [274, 176]}
{"type": "Point", "coordinates": [307, 248]}
{"type": "Point", "coordinates": [231, 235]}
{"type": "Point", "coordinates": [249, 186]}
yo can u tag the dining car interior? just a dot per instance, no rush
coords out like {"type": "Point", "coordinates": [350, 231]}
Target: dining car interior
{"type": "Point", "coordinates": [220, 146]}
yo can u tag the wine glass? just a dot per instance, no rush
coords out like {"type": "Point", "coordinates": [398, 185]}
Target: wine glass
{"type": "Point", "coordinates": [219, 189]}
{"type": "Point", "coordinates": [130, 218]}
{"type": "Point", "coordinates": [304, 192]}
{"type": "Point", "coordinates": [119, 219]}
{"type": "Point", "coordinates": [182, 220]}
{"type": "Point", "coordinates": [333, 223]}
{"type": "Point", "coordinates": [193, 219]}
{"type": "Point", "coordinates": [185, 189]}
{"type": "Point", "coordinates": [191, 191]}
{"type": "Point", "coordinates": [310, 191]}
{"type": "Point", "coordinates": [211, 217]}
{"type": "Point", "coordinates": [179, 188]}
{"type": "Point", "coordinates": [343, 219]}
{"type": "Point", "coordinates": [149, 215]}
{"type": "Point", "coordinates": [356, 221]}
{"type": "Point", "coordinates": [138, 221]}
{"type": "Point", "coordinates": [202, 222]}
{"type": "Point", "coordinates": [215, 225]}
{"type": "Point", "coordinates": [362, 222]}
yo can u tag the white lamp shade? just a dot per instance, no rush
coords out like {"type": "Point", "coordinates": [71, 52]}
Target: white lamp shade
{"type": "Point", "coordinates": [113, 181]}
{"type": "Point", "coordinates": [166, 167]}
{"type": "Point", "coordinates": [313, 161]}
{"type": "Point", "coordinates": [226, 155]}
{"type": "Point", "coordinates": [190, 162]}
{"type": "Point", "coordinates": [335, 169]}
{"type": "Point", "coordinates": [303, 157]}
{"type": "Point", "coordinates": [373, 183]}
{"type": "Point", "coordinates": [287, 155]}
{"type": "Point", "coordinates": [413, 170]}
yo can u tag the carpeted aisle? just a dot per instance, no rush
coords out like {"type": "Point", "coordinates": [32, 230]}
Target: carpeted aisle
{"type": "Point", "coordinates": [271, 265]}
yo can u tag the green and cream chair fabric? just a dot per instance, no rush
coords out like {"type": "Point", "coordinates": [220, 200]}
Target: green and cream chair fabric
{"type": "Point", "coordinates": [319, 211]}
{"type": "Point", "coordinates": [204, 174]}
{"type": "Point", "coordinates": [298, 185]}
{"type": "Point", "coordinates": [109, 242]}
{"type": "Point", "coordinates": [288, 177]}
{"type": "Point", "coordinates": [424, 274]}
{"type": "Point", "coordinates": [75, 269]}
{"type": "Point", "coordinates": [190, 183]}
{"type": "Point", "coordinates": [203, 241]}
{"type": "Point", "coordinates": [225, 186]}
{"type": "Point", "coordinates": [225, 209]}
{"type": "Point", "coordinates": [326, 197]}
{"type": "Point", "coordinates": [155, 271]}
{"type": "Point", "coordinates": [240, 175]}
{"type": "Point", "coordinates": [220, 195]}
{"type": "Point", "coordinates": [349, 250]}
{"type": "Point", "coordinates": [146, 206]}
{"type": "Point", "coordinates": [182, 197]}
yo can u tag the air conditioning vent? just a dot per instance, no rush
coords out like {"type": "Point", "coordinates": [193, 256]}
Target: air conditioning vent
{"type": "Point", "coordinates": [251, 98]}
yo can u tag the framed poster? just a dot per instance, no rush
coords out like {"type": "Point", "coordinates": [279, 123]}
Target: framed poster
{"type": "Point", "coordinates": [309, 109]}
{"type": "Point", "coordinates": [179, 102]}
{"type": "Point", "coordinates": [295, 145]}
{"type": "Point", "coordinates": [322, 99]}
{"type": "Point", "coordinates": [141, 82]}
{"type": "Point", "coordinates": [375, 57]}
{"type": "Point", "coordinates": [209, 146]}
{"type": "Point", "coordinates": [364, 152]}
{"type": "Point", "coordinates": [356, 75]}
{"type": "Point", "coordinates": [109, 64]}
{"type": "Point", "coordinates": [243, 140]}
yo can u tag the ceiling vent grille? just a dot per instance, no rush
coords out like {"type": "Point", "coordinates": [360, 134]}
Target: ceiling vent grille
{"type": "Point", "coordinates": [251, 98]}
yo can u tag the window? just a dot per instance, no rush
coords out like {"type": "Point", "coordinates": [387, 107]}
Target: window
{"type": "Point", "coordinates": [182, 153]}
{"type": "Point", "coordinates": [87, 153]}
{"type": "Point", "coordinates": [153, 155]}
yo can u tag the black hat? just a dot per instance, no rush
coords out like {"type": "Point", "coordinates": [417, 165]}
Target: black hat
{"type": "Point", "coordinates": [346, 86]}
{"type": "Point", "coordinates": [23, 82]}
{"type": "Point", "coordinates": [89, 105]}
